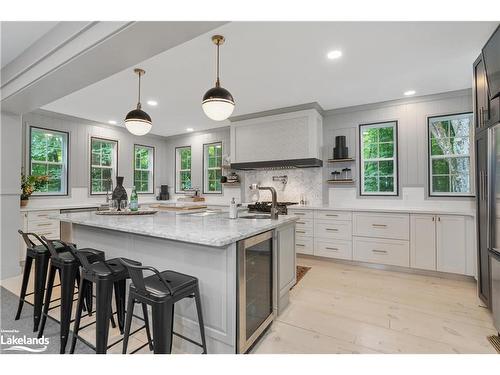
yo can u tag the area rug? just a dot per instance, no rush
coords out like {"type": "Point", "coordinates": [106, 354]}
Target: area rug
{"type": "Point", "coordinates": [301, 272]}
{"type": "Point", "coordinates": [495, 342]}
{"type": "Point", "coordinates": [22, 329]}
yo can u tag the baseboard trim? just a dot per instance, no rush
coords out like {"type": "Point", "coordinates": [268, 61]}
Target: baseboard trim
{"type": "Point", "coordinates": [384, 267]}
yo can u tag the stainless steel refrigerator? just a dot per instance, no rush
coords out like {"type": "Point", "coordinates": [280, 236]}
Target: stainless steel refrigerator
{"type": "Point", "coordinates": [491, 192]}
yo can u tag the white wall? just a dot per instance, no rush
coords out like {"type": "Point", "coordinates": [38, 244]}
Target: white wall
{"type": "Point", "coordinates": [10, 219]}
{"type": "Point", "coordinates": [80, 131]}
{"type": "Point", "coordinates": [411, 115]}
{"type": "Point", "coordinates": [196, 141]}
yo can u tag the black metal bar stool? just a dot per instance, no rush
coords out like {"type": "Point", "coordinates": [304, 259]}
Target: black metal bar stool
{"type": "Point", "coordinates": [106, 274]}
{"type": "Point", "coordinates": [161, 291]}
{"type": "Point", "coordinates": [67, 265]}
{"type": "Point", "coordinates": [40, 254]}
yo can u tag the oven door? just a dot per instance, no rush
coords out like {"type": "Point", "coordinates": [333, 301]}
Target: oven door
{"type": "Point", "coordinates": [255, 288]}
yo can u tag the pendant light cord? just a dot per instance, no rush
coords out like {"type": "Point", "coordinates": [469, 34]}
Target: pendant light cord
{"type": "Point", "coordinates": [217, 82]}
{"type": "Point", "coordinates": [139, 96]}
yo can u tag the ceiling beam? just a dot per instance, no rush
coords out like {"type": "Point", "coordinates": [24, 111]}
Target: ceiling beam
{"type": "Point", "coordinates": [87, 53]}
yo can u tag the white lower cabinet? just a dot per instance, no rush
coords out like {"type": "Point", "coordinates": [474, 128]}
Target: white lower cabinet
{"type": "Point", "coordinates": [440, 243]}
{"type": "Point", "coordinates": [383, 251]}
{"type": "Point", "coordinates": [304, 245]}
{"type": "Point", "coordinates": [333, 249]}
{"type": "Point", "coordinates": [423, 242]}
{"type": "Point", "coordinates": [451, 239]}
{"type": "Point", "coordinates": [444, 243]}
{"type": "Point", "coordinates": [38, 222]}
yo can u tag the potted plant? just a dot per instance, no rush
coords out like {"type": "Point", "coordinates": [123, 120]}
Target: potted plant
{"type": "Point", "coordinates": [29, 184]}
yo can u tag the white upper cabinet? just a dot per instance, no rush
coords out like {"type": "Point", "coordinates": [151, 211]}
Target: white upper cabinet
{"type": "Point", "coordinates": [293, 135]}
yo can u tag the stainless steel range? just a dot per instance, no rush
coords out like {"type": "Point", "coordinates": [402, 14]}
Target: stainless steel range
{"type": "Point", "coordinates": [265, 206]}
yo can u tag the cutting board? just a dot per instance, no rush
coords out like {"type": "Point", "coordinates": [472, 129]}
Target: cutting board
{"type": "Point", "coordinates": [177, 207]}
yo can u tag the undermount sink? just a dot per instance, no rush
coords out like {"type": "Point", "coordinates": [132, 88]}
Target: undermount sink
{"type": "Point", "coordinates": [258, 216]}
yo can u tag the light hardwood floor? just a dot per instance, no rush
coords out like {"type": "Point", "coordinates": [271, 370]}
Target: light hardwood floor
{"type": "Point", "coordinates": [344, 308]}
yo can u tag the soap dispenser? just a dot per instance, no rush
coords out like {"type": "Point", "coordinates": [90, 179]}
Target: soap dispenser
{"type": "Point", "coordinates": [233, 209]}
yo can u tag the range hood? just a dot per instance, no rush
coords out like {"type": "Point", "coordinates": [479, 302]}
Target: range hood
{"type": "Point", "coordinates": [278, 164]}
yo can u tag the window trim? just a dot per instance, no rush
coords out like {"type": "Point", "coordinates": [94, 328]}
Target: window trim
{"type": "Point", "coordinates": [153, 187]}
{"type": "Point", "coordinates": [396, 159]}
{"type": "Point", "coordinates": [35, 194]}
{"type": "Point", "coordinates": [90, 162]}
{"type": "Point", "coordinates": [204, 178]}
{"type": "Point", "coordinates": [472, 193]}
{"type": "Point", "coordinates": [177, 191]}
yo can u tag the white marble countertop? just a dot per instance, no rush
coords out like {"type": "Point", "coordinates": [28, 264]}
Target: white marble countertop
{"type": "Point", "coordinates": [215, 230]}
{"type": "Point", "coordinates": [89, 204]}
{"type": "Point", "coordinates": [419, 210]}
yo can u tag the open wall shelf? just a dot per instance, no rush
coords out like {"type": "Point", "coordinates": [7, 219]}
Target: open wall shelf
{"type": "Point", "coordinates": [342, 181]}
{"type": "Point", "coordinates": [348, 160]}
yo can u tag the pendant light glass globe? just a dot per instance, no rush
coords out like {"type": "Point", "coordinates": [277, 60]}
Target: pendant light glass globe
{"type": "Point", "coordinates": [218, 103]}
{"type": "Point", "coordinates": [137, 121]}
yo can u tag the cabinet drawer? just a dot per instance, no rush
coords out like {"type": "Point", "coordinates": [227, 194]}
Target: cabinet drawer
{"type": "Point", "coordinates": [41, 215]}
{"type": "Point", "coordinates": [332, 215]}
{"type": "Point", "coordinates": [304, 223]}
{"type": "Point", "coordinates": [375, 250]}
{"type": "Point", "coordinates": [43, 225]}
{"type": "Point", "coordinates": [333, 249]}
{"type": "Point", "coordinates": [304, 245]}
{"type": "Point", "coordinates": [340, 230]}
{"type": "Point", "coordinates": [303, 214]}
{"type": "Point", "coordinates": [304, 231]}
{"type": "Point", "coordinates": [395, 226]}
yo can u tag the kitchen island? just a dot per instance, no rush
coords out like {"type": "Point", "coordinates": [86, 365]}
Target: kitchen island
{"type": "Point", "coordinates": [199, 244]}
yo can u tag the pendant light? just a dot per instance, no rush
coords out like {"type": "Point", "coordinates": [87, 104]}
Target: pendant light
{"type": "Point", "coordinates": [137, 121]}
{"type": "Point", "coordinates": [218, 103]}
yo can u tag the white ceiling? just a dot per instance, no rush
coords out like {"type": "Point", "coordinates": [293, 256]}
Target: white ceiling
{"type": "Point", "coordinates": [18, 36]}
{"type": "Point", "coordinates": [269, 65]}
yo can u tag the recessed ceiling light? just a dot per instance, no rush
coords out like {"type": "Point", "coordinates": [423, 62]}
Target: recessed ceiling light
{"type": "Point", "coordinates": [189, 129]}
{"type": "Point", "coordinates": [332, 55]}
{"type": "Point", "coordinates": [409, 92]}
{"type": "Point", "coordinates": [152, 103]}
{"type": "Point", "coordinates": [112, 122]}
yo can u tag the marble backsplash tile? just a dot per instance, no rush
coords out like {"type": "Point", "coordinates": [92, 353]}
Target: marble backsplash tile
{"type": "Point", "coordinates": [306, 182]}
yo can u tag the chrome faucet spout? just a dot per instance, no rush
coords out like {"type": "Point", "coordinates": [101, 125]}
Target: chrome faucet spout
{"type": "Point", "coordinates": [274, 198]}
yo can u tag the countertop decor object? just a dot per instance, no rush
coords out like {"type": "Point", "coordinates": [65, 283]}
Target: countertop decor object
{"type": "Point", "coordinates": [340, 151]}
{"type": "Point", "coordinates": [30, 184]}
{"type": "Point", "coordinates": [137, 121]}
{"type": "Point", "coordinates": [119, 194]}
{"type": "Point", "coordinates": [127, 212]}
{"type": "Point", "coordinates": [218, 103]}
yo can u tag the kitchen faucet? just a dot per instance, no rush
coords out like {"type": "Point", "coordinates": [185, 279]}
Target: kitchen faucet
{"type": "Point", "coordinates": [274, 199]}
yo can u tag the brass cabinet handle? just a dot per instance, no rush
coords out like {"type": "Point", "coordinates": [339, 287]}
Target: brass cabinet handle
{"type": "Point", "coordinates": [379, 251]}
{"type": "Point", "coordinates": [439, 218]}
{"type": "Point", "coordinates": [379, 225]}
{"type": "Point", "coordinates": [433, 218]}
{"type": "Point", "coordinates": [332, 229]}
{"type": "Point", "coordinates": [300, 231]}
{"type": "Point", "coordinates": [299, 244]}
{"type": "Point", "coordinates": [299, 213]}
{"type": "Point", "coordinates": [332, 215]}
{"type": "Point", "coordinates": [44, 224]}
{"type": "Point", "coordinates": [301, 222]}
{"type": "Point", "coordinates": [480, 117]}
{"type": "Point", "coordinates": [332, 248]}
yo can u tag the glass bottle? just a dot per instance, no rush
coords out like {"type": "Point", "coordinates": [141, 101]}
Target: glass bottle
{"type": "Point", "coordinates": [134, 201]}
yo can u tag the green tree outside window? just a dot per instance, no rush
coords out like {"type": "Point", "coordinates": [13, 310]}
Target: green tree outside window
{"type": "Point", "coordinates": [103, 155]}
{"type": "Point", "coordinates": [183, 168]}
{"type": "Point", "coordinates": [48, 157]}
{"type": "Point", "coordinates": [449, 154]}
{"type": "Point", "coordinates": [213, 167]}
{"type": "Point", "coordinates": [143, 168]}
{"type": "Point", "coordinates": [378, 159]}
